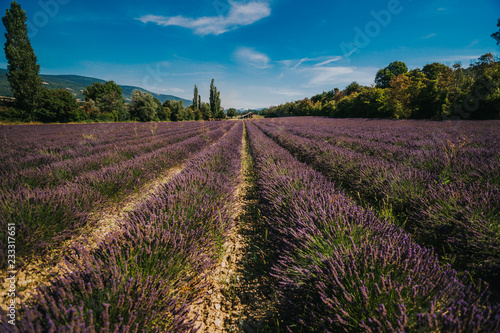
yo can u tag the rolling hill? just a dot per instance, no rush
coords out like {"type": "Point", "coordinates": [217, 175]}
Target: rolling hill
{"type": "Point", "coordinates": [76, 84]}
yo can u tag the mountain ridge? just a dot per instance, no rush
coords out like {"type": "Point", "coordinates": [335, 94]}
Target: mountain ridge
{"type": "Point", "coordinates": [75, 84]}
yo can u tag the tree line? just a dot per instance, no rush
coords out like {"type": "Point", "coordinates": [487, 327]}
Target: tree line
{"type": "Point", "coordinates": [435, 91]}
{"type": "Point", "coordinates": [103, 101]}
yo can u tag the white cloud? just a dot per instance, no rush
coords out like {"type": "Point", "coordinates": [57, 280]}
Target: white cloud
{"type": "Point", "coordinates": [474, 42]}
{"type": "Point", "coordinates": [176, 90]}
{"type": "Point", "coordinates": [338, 75]}
{"type": "Point", "coordinates": [301, 62]}
{"type": "Point", "coordinates": [337, 58]}
{"type": "Point", "coordinates": [287, 92]}
{"type": "Point", "coordinates": [324, 61]}
{"type": "Point", "coordinates": [240, 14]}
{"type": "Point", "coordinates": [251, 57]}
{"type": "Point", "coordinates": [192, 74]}
{"type": "Point", "coordinates": [428, 36]}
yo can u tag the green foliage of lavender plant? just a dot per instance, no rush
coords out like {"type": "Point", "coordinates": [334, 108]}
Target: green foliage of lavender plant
{"type": "Point", "coordinates": [339, 268]}
{"type": "Point", "coordinates": [144, 277]}
{"type": "Point", "coordinates": [457, 215]}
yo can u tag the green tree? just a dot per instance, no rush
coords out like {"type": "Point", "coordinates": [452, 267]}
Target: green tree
{"type": "Point", "coordinates": [205, 111]}
{"type": "Point", "coordinates": [325, 97]}
{"type": "Point", "coordinates": [496, 35]}
{"type": "Point", "coordinates": [215, 108]}
{"type": "Point", "coordinates": [232, 112]}
{"type": "Point", "coordinates": [22, 66]}
{"type": "Point", "coordinates": [165, 113]}
{"type": "Point", "coordinates": [108, 99]}
{"type": "Point", "coordinates": [220, 114]}
{"type": "Point", "coordinates": [58, 106]}
{"type": "Point", "coordinates": [368, 102]}
{"type": "Point", "coordinates": [485, 60]}
{"type": "Point", "coordinates": [385, 75]}
{"type": "Point", "coordinates": [432, 71]}
{"type": "Point", "coordinates": [418, 82]}
{"type": "Point", "coordinates": [483, 93]}
{"type": "Point", "coordinates": [177, 111]}
{"type": "Point", "coordinates": [352, 88]}
{"type": "Point", "coordinates": [196, 98]}
{"type": "Point", "coordinates": [144, 106]}
{"type": "Point", "coordinates": [398, 99]}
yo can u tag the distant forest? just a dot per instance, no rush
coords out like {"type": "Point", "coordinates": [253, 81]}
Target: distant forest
{"type": "Point", "coordinates": [436, 91]}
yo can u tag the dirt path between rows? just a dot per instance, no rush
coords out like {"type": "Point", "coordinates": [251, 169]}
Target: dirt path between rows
{"type": "Point", "coordinates": [239, 298]}
{"type": "Point", "coordinates": [107, 219]}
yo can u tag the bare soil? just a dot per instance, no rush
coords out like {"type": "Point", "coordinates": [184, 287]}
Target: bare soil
{"type": "Point", "coordinates": [239, 298]}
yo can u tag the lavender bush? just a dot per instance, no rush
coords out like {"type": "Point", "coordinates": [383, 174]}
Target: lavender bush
{"type": "Point", "coordinates": [459, 218]}
{"type": "Point", "coordinates": [46, 217]}
{"type": "Point", "coordinates": [340, 268]}
{"type": "Point", "coordinates": [144, 277]}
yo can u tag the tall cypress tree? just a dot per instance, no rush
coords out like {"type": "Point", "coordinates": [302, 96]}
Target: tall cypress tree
{"type": "Point", "coordinates": [214, 100]}
{"type": "Point", "coordinates": [220, 111]}
{"type": "Point", "coordinates": [22, 65]}
{"type": "Point", "coordinates": [196, 96]}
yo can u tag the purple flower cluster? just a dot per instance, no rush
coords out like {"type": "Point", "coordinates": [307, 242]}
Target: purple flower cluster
{"type": "Point", "coordinates": [103, 155]}
{"type": "Point", "coordinates": [47, 215]}
{"type": "Point", "coordinates": [338, 267]}
{"type": "Point", "coordinates": [144, 277]}
{"type": "Point", "coordinates": [441, 184]}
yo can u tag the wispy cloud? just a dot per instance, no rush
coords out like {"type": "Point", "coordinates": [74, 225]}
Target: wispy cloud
{"type": "Point", "coordinates": [175, 90]}
{"type": "Point", "coordinates": [458, 57]}
{"type": "Point", "coordinates": [329, 61]}
{"type": "Point", "coordinates": [240, 14]}
{"type": "Point", "coordinates": [338, 75]}
{"type": "Point", "coordinates": [287, 92]}
{"type": "Point", "coordinates": [251, 57]}
{"type": "Point", "coordinates": [474, 42]}
{"type": "Point", "coordinates": [323, 61]}
{"type": "Point", "coordinates": [192, 74]}
{"type": "Point", "coordinates": [301, 62]}
{"type": "Point", "coordinates": [428, 36]}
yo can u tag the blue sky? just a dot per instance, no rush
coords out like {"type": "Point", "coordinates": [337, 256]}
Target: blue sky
{"type": "Point", "coordinates": [260, 52]}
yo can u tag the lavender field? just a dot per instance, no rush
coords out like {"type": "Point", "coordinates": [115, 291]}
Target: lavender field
{"type": "Point", "coordinates": [271, 225]}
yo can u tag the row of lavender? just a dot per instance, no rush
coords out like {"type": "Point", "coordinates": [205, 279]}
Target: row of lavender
{"type": "Point", "coordinates": [338, 267]}
{"type": "Point", "coordinates": [460, 219]}
{"type": "Point", "coordinates": [146, 277]}
{"type": "Point", "coordinates": [464, 151]}
{"type": "Point", "coordinates": [45, 217]}
{"type": "Point", "coordinates": [62, 167]}
{"type": "Point", "coordinates": [39, 145]}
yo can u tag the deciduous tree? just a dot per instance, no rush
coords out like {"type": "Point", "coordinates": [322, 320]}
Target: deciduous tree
{"type": "Point", "coordinates": [496, 35]}
{"type": "Point", "coordinates": [57, 106]}
{"type": "Point", "coordinates": [144, 106]}
{"type": "Point", "coordinates": [177, 111]}
{"type": "Point", "coordinates": [432, 71]}
{"type": "Point", "coordinates": [108, 99]}
{"type": "Point", "coordinates": [385, 75]}
{"type": "Point", "coordinates": [232, 112]}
